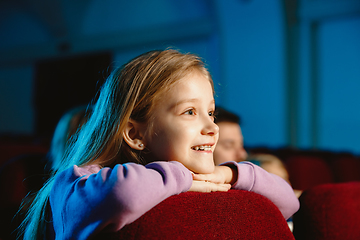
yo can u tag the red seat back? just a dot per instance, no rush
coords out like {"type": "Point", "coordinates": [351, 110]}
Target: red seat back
{"type": "Point", "coordinates": [346, 168]}
{"type": "Point", "coordinates": [308, 171]}
{"type": "Point", "coordinates": [232, 215]}
{"type": "Point", "coordinates": [329, 211]}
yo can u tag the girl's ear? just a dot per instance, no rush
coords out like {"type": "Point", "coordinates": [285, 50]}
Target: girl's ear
{"type": "Point", "coordinates": [133, 135]}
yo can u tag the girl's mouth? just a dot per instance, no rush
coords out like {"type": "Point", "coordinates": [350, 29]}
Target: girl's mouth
{"type": "Point", "coordinates": [202, 148]}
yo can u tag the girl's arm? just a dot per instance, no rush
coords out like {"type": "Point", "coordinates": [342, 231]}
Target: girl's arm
{"type": "Point", "coordinates": [249, 177]}
{"type": "Point", "coordinates": [86, 200]}
{"type": "Point", "coordinates": [255, 179]}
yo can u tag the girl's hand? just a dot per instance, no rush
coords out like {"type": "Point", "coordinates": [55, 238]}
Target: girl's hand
{"type": "Point", "coordinates": [202, 186]}
{"type": "Point", "coordinates": [221, 175]}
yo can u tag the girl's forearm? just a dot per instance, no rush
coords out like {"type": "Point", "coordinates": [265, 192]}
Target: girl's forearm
{"type": "Point", "coordinates": [255, 179]}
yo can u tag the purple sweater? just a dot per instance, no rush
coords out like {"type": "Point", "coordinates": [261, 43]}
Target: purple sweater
{"type": "Point", "coordinates": [87, 200]}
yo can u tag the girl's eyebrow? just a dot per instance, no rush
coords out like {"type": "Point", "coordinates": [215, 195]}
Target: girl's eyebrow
{"type": "Point", "coordinates": [191, 100]}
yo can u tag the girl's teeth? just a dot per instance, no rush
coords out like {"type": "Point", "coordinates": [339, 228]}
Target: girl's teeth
{"type": "Point", "coordinates": [202, 148]}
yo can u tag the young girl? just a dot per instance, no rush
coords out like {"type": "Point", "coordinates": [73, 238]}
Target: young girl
{"type": "Point", "coordinates": [151, 135]}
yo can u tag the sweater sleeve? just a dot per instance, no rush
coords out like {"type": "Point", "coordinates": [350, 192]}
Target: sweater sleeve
{"type": "Point", "coordinates": [87, 200]}
{"type": "Point", "coordinates": [255, 179]}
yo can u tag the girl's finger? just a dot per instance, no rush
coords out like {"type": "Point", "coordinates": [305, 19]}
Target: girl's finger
{"type": "Point", "coordinates": [202, 177]}
{"type": "Point", "coordinates": [223, 187]}
{"type": "Point", "coordinates": [202, 186]}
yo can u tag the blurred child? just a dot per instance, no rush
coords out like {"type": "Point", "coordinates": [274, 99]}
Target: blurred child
{"type": "Point", "coordinates": [272, 164]}
{"type": "Point", "coordinates": [25, 174]}
{"type": "Point", "coordinates": [151, 135]}
{"type": "Point", "coordinates": [68, 125]}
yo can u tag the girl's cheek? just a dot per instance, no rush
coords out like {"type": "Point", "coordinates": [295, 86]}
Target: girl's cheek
{"type": "Point", "coordinates": [216, 139]}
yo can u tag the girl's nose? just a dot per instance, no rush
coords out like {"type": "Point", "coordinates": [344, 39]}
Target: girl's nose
{"type": "Point", "coordinates": [210, 128]}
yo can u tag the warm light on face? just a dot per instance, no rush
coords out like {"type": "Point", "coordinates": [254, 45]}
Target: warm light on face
{"type": "Point", "coordinates": [183, 125]}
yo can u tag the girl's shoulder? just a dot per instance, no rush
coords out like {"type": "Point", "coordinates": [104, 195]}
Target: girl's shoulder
{"type": "Point", "coordinates": [129, 172]}
{"type": "Point", "coordinates": [80, 171]}
{"type": "Point", "coordinates": [86, 170]}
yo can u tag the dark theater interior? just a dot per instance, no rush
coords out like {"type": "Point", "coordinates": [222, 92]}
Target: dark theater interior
{"type": "Point", "coordinates": [288, 69]}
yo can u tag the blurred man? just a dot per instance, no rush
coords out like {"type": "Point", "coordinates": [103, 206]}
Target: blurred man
{"type": "Point", "coordinates": [230, 146]}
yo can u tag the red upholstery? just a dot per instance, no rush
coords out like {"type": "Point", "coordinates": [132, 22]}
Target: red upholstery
{"type": "Point", "coordinates": [11, 150]}
{"type": "Point", "coordinates": [308, 171]}
{"type": "Point", "coordinates": [232, 215]}
{"type": "Point", "coordinates": [20, 170]}
{"type": "Point", "coordinates": [346, 169]}
{"type": "Point", "coordinates": [18, 176]}
{"type": "Point", "coordinates": [329, 211]}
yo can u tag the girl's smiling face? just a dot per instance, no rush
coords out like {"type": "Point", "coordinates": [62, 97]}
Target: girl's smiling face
{"type": "Point", "coordinates": [183, 125]}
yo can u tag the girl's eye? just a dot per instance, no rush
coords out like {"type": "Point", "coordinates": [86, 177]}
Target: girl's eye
{"type": "Point", "coordinates": [190, 112]}
{"type": "Point", "coordinates": [212, 115]}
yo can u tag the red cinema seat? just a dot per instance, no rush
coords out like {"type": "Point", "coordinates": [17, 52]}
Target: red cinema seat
{"type": "Point", "coordinates": [231, 215]}
{"type": "Point", "coordinates": [329, 212]}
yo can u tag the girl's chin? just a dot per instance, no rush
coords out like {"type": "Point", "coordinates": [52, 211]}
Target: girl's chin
{"type": "Point", "coordinates": [204, 169]}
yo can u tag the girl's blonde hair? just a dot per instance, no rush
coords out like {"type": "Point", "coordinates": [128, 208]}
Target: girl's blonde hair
{"type": "Point", "coordinates": [130, 92]}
